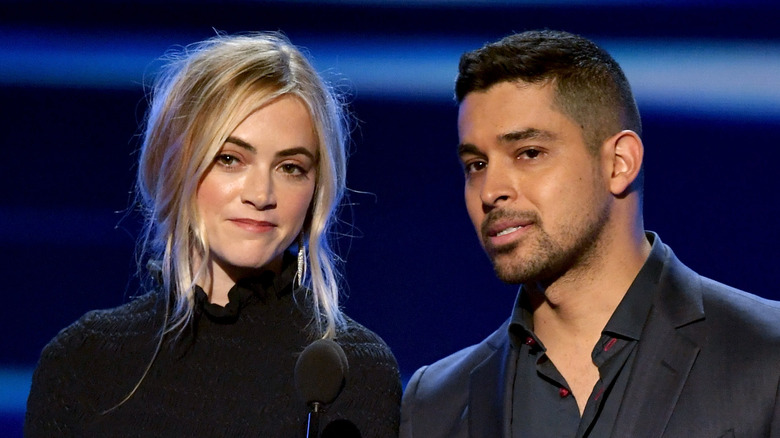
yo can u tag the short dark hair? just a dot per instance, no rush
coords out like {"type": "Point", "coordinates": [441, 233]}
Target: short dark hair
{"type": "Point", "coordinates": [590, 87]}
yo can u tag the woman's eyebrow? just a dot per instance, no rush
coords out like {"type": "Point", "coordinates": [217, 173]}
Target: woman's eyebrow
{"type": "Point", "coordinates": [295, 151]}
{"type": "Point", "coordinates": [241, 143]}
{"type": "Point", "coordinates": [289, 152]}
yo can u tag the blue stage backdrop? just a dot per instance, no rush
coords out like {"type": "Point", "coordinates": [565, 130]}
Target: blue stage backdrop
{"type": "Point", "coordinates": [706, 77]}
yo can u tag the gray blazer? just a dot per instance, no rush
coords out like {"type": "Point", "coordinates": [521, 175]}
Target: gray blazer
{"type": "Point", "coordinates": [707, 365]}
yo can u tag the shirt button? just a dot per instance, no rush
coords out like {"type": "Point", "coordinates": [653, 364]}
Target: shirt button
{"type": "Point", "coordinates": [563, 392]}
{"type": "Point", "coordinates": [530, 341]}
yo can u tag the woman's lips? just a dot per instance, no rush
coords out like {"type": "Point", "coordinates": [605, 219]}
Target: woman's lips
{"type": "Point", "coordinates": [253, 225]}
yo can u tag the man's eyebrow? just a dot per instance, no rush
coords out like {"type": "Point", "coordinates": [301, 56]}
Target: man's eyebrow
{"type": "Point", "coordinates": [526, 134]}
{"type": "Point", "coordinates": [468, 149]}
{"type": "Point", "coordinates": [509, 137]}
{"type": "Point", "coordinates": [241, 143]}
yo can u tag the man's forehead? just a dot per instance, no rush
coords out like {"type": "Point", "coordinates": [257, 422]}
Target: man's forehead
{"type": "Point", "coordinates": [510, 94]}
{"type": "Point", "coordinates": [508, 107]}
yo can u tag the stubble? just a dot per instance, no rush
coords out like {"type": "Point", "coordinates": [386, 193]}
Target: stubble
{"type": "Point", "coordinates": [539, 256]}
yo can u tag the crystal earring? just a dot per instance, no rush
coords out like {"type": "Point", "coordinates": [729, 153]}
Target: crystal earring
{"type": "Point", "coordinates": [301, 260]}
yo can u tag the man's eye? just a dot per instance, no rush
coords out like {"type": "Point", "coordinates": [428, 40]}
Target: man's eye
{"type": "Point", "coordinates": [530, 153]}
{"type": "Point", "coordinates": [474, 166]}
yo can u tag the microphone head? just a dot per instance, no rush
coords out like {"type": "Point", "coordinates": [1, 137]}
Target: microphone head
{"type": "Point", "coordinates": [341, 428]}
{"type": "Point", "coordinates": [321, 372]}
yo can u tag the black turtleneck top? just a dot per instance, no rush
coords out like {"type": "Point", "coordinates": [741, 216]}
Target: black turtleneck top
{"type": "Point", "coordinates": [230, 374]}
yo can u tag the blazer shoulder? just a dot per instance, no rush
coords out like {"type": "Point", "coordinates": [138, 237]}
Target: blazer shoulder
{"type": "Point", "coordinates": [741, 312]}
{"type": "Point", "coordinates": [436, 398]}
{"type": "Point", "coordinates": [443, 387]}
{"type": "Point", "coordinates": [686, 297]}
{"type": "Point", "coordinates": [450, 375]}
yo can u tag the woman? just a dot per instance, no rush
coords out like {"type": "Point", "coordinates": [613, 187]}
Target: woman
{"type": "Point", "coordinates": [240, 173]}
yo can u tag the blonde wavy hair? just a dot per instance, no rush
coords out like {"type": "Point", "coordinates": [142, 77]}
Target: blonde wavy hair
{"type": "Point", "coordinates": [205, 91]}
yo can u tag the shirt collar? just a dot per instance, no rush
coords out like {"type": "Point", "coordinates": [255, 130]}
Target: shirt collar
{"type": "Point", "coordinates": [630, 315]}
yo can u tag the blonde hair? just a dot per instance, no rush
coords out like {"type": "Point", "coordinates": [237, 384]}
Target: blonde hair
{"type": "Point", "coordinates": [206, 90]}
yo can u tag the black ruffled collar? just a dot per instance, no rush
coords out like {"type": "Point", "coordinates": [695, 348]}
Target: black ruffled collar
{"type": "Point", "coordinates": [263, 288]}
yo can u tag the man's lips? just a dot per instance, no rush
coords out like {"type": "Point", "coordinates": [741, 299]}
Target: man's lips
{"type": "Point", "coordinates": [507, 231]}
{"type": "Point", "coordinates": [503, 227]}
{"type": "Point", "coordinates": [504, 235]}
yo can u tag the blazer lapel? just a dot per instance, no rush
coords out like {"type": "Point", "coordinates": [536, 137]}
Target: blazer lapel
{"type": "Point", "coordinates": [490, 391]}
{"type": "Point", "coordinates": [665, 353]}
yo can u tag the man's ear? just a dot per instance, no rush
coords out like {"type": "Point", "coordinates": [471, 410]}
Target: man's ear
{"type": "Point", "coordinates": [623, 154]}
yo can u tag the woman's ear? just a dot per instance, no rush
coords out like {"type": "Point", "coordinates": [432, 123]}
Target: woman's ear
{"type": "Point", "coordinates": [624, 153]}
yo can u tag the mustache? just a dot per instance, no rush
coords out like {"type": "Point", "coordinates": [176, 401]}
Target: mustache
{"type": "Point", "coordinates": [494, 216]}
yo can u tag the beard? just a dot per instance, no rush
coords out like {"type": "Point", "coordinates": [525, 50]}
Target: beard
{"type": "Point", "coordinates": [546, 257]}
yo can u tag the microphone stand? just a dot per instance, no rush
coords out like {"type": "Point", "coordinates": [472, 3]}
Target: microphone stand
{"type": "Point", "coordinates": [313, 421]}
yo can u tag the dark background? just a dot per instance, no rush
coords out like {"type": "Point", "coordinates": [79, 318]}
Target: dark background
{"type": "Point", "coordinates": [706, 77]}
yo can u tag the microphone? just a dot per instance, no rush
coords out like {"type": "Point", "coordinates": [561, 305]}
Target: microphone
{"type": "Point", "coordinates": [341, 429]}
{"type": "Point", "coordinates": [320, 374]}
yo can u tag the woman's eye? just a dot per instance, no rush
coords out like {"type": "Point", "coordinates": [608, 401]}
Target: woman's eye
{"type": "Point", "coordinates": [292, 169]}
{"type": "Point", "coordinates": [227, 160]}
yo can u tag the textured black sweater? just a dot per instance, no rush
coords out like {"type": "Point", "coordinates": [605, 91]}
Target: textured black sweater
{"type": "Point", "coordinates": [229, 375]}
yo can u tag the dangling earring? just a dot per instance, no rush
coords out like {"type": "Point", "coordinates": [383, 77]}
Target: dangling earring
{"type": "Point", "coordinates": [301, 260]}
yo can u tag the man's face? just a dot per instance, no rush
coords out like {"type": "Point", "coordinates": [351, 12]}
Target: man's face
{"type": "Point", "coordinates": [537, 197]}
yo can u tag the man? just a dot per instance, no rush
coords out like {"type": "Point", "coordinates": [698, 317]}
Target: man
{"type": "Point", "coordinates": [611, 335]}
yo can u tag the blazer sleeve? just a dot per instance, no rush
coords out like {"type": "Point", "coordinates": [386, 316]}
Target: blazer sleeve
{"type": "Point", "coordinates": [774, 429]}
{"type": "Point", "coordinates": [408, 404]}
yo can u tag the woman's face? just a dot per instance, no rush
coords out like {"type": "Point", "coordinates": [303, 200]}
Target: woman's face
{"type": "Point", "coordinates": [254, 198]}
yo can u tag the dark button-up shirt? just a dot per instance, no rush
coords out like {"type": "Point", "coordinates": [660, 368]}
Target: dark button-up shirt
{"type": "Point", "coordinates": [542, 403]}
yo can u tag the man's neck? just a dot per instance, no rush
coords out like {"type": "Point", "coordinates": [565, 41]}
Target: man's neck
{"type": "Point", "coordinates": [577, 305]}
